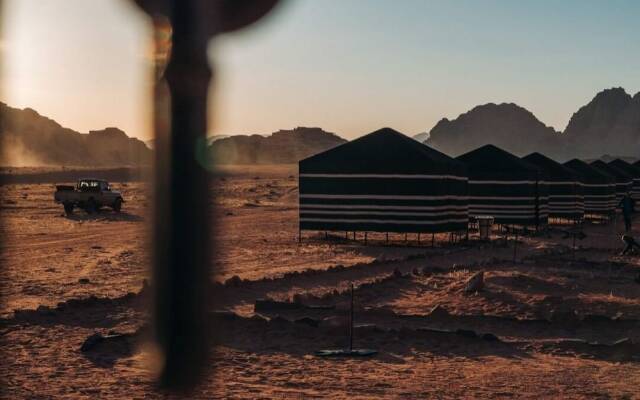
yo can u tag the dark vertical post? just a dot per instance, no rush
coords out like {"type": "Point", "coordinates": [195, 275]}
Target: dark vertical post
{"type": "Point", "coordinates": [433, 240]}
{"type": "Point", "coordinates": [365, 238]}
{"type": "Point", "coordinates": [181, 215]}
{"type": "Point", "coordinates": [515, 246]}
{"type": "Point", "coordinates": [182, 219]}
{"type": "Point", "coordinates": [387, 233]}
{"type": "Point", "coordinates": [418, 238]}
{"type": "Point", "coordinates": [351, 321]}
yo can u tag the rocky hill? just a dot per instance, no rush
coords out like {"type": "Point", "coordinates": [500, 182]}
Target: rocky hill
{"type": "Point", "coordinates": [507, 126]}
{"type": "Point", "coordinates": [210, 139]}
{"type": "Point", "coordinates": [610, 123]}
{"type": "Point", "coordinates": [29, 138]}
{"type": "Point", "coordinates": [421, 137]}
{"type": "Point", "coordinates": [282, 147]}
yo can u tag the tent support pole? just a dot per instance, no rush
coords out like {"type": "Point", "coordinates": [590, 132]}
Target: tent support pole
{"type": "Point", "coordinates": [515, 247]}
{"type": "Point", "coordinates": [433, 239]}
{"type": "Point", "coordinates": [351, 322]}
{"type": "Point", "coordinates": [387, 233]}
{"type": "Point", "coordinates": [418, 237]}
{"type": "Point", "coordinates": [365, 238]}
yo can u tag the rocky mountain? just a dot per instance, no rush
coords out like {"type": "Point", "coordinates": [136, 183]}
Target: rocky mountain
{"type": "Point", "coordinates": [505, 125]}
{"type": "Point", "coordinates": [610, 123]}
{"type": "Point", "coordinates": [284, 146]}
{"type": "Point", "coordinates": [421, 137]}
{"type": "Point", "coordinates": [210, 139]}
{"type": "Point", "coordinates": [29, 138]}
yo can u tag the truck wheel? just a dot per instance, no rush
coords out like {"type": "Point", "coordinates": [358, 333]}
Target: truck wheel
{"type": "Point", "coordinates": [68, 208]}
{"type": "Point", "coordinates": [91, 206]}
{"type": "Point", "coordinates": [117, 205]}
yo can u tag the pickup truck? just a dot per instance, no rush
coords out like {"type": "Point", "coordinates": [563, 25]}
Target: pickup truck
{"type": "Point", "coordinates": [88, 194]}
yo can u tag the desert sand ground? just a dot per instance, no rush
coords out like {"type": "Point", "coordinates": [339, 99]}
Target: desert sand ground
{"type": "Point", "coordinates": [552, 324]}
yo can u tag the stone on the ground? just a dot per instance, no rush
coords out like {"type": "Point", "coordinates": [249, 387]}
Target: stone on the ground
{"type": "Point", "coordinates": [234, 281]}
{"type": "Point", "coordinates": [438, 312]}
{"type": "Point", "coordinates": [263, 305]}
{"type": "Point", "coordinates": [91, 342]}
{"type": "Point", "coordinates": [475, 283]}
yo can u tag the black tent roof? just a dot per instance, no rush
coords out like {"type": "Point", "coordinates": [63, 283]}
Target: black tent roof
{"type": "Point", "coordinates": [552, 170]}
{"type": "Point", "coordinates": [630, 169]}
{"type": "Point", "coordinates": [384, 151]}
{"type": "Point", "coordinates": [636, 164]}
{"type": "Point", "coordinates": [588, 173]}
{"type": "Point", "coordinates": [490, 162]}
{"type": "Point", "coordinates": [619, 175]}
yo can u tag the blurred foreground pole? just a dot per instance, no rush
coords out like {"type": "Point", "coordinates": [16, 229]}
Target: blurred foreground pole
{"type": "Point", "coordinates": [182, 232]}
{"type": "Point", "coordinates": [182, 215]}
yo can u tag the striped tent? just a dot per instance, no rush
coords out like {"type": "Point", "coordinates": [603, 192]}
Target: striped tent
{"type": "Point", "coordinates": [633, 171]}
{"type": "Point", "coordinates": [598, 187]}
{"type": "Point", "coordinates": [565, 190]}
{"type": "Point", "coordinates": [623, 181]}
{"type": "Point", "coordinates": [505, 187]}
{"type": "Point", "coordinates": [383, 182]}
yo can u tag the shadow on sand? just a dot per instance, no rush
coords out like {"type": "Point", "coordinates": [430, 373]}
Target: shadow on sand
{"type": "Point", "coordinates": [103, 215]}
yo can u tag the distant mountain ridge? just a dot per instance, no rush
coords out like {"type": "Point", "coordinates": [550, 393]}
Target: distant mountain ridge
{"type": "Point", "coordinates": [610, 123]}
{"type": "Point", "coordinates": [421, 137]}
{"type": "Point", "coordinates": [29, 138]}
{"type": "Point", "coordinates": [281, 147]}
{"type": "Point", "coordinates": [210, 139]}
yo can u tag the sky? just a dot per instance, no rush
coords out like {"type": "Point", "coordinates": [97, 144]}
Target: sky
{"type": "Point", "coordinates": [348, 66]}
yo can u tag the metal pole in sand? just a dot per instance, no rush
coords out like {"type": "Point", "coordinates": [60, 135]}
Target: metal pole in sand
{"type": "Point", "coordinates": [515, 246]}
{"type": "Point", "coordinates": [351, 322]}
{"type": "Point", "coordinates": [615, 228]}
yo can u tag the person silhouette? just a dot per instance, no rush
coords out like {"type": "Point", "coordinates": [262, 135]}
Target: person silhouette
{"type": "Point", "coordinates": [627, 205]}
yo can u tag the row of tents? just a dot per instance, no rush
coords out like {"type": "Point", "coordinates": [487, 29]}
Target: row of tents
{"type": "Point", "coordinates": [388, 182]}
